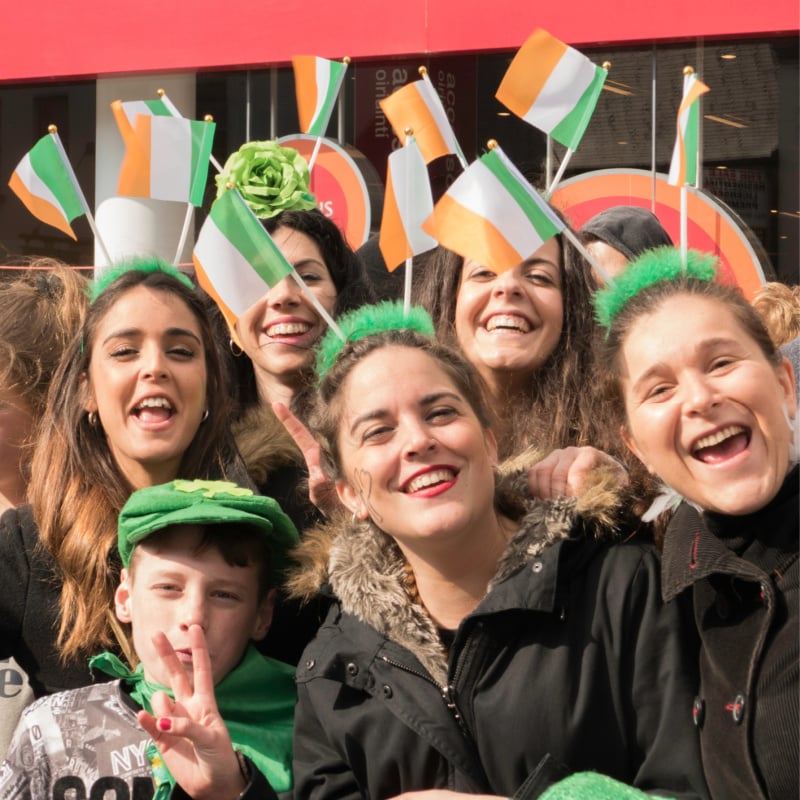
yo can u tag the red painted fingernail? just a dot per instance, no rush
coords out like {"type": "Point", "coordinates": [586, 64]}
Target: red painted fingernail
{"type": "Point", "coordinates": [164, 724]}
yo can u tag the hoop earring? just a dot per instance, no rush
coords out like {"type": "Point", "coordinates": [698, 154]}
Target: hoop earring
{"type": "Point", "coordinates": [234, 348]}
{"type": "Point", "coordinates": [91, 418]}
{"type": "Point", "coordinates": [205, 416]}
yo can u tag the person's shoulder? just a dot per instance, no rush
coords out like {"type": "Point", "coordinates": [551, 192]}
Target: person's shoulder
{"type": "Point", "coordinates": [19, 522]}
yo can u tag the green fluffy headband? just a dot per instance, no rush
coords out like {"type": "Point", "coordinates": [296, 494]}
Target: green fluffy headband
{"type": "Point", "coordinates": [102, 281]}
{"type": "Point", "coordinates": [365, 321]}
{"type": "Point", "coordinates": [655, 266]}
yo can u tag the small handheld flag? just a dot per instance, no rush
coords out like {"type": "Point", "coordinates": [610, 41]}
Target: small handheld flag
{"type": "Point", "coordinates": [317, 85]}
{"type": "Point", "coordinates": [407, 204]}
{"type": "Point", "coordinates": [45, 183]}
{"type": "Point", "coordinates": [553, 87]}
{"type": "Point", "coordinates": [683, 167]}
{"type": "Point", "coordinates": [235, 258]}
{"type": "Point", "coordinates": [492, 215]}
{"type": "Point", "coordinates": [417, 107]}
{"type": "Point", "coordinates": [166, 158]}
{"type": "Point", "coordinates": [237, 261]}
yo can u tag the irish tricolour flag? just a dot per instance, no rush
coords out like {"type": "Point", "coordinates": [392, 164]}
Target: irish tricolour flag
{"type": "Point", "coordinates": [317, 84]}
{"type": "Point", "coordinates": [417, 107]}
{"type": "Point", "coordinates": [46, 184]}
{"type": "Point", "coordinates": [683, 167]}
{"type": "Point", "coordinates": [492, 215]}
{"type": "Point", "coordinates": [235, 258]}
{"type": "Point", "coordinates": [166, 158]}
{"type": "Point", "coordinates": [407, 204]}
{"type": "Point", "coordinates": [553, 87]}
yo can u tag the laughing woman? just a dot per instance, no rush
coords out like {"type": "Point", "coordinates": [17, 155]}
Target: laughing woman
{"type": "Point", "coordinates": [137, 400]}
{"type": "Point", "coordinates": [529, 333]}
{"type": "Point", "coordinates": [477, 638]}
{"type": "Point", "coordinates": [708, 406]}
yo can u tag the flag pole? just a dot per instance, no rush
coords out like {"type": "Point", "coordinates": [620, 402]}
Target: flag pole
{"type": "Point", "coordinates": [175, 113]}
{"type": "Point", "coordinates": [423, 70]}
{"type": "Point", "coordinates": [184, 233]}
{"type": "Point", "coordinates": [407, 215]}
{"type": "Point", "coordinates": [609, 281]}
{"type": "Point", "coordinates": [53, 131]}
{"type": "Point", "coordinates": [684, 225]}
{"type": "Point", "coordinates": [300, 282]}
{"type": "Point", "coordinates": [314, 154]}
{"type": "Point", "coordinates": [559, 174]}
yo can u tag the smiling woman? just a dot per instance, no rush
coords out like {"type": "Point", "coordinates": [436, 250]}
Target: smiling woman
{"type": "Point", "coordinates": [708, 405]}
{"type": "Point", "coordinates": [138, 398]}
{"type": "Point", "coordinates": [529, 333]}
{"type": "Point", "coordinates": [487, 636]}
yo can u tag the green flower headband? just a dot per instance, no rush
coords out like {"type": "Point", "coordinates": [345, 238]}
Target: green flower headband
{"type": "Point", "coordinates": [270, 178]}
{"type": "Point", "coordinates": [108, 276]}
{"type": "Point", "coordinates": [655, 266]}
{"type": "Point", "coordinates": [367, 320]}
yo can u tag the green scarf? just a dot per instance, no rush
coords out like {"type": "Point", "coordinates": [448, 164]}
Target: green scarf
{"type": "Point", "coordinates": [256, 701]}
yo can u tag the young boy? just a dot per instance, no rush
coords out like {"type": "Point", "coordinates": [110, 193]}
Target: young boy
{"type": "Point", "coordinates": [199, 558]}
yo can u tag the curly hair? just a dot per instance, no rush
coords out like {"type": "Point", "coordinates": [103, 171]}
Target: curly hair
{"type": "Point", "coordinates": [559, 408]}
{"type": "Point", "coordinates": [779, 308]}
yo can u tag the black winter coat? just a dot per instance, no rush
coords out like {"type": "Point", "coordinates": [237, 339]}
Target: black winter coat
{"type": "Point", "coordinates": [743, 576]}
{"type": "Point", "coordinates": [29, 615]}
{"type": "Point", "coordinates": [571, 662]}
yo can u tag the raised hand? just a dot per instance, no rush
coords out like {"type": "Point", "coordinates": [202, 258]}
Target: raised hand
{"type": "Point", "coordinates": [564, 471]}
{"type": "Point", "coordinates": [189, 732]}
{"type": "Point", "coordinates": [321, 491]}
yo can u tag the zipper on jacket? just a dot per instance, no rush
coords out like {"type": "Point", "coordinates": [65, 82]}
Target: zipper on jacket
{"type": "Point", "coordinates": [446, 692]}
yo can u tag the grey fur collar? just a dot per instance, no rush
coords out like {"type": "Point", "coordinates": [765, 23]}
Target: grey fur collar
{"type": "Point", "coordinates": [367, 570]}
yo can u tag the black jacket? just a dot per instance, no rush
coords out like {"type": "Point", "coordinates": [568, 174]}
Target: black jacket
{"type": "Point", "coordinates": [571, 662]}
{"type": "Point", "coordinates": [29, 615]}
{"type": "Point", "coordinates": [743, 573]}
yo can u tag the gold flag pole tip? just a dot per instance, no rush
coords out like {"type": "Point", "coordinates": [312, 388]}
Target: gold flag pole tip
{"type": "Point", "coordinates": [688, 71]}
{"type": "Point", "coordinates": [160, 92]}
{"type": "Point", "coordinates": [346, 60]}
{"type": "Point", "coordinates": [606, 65]}
{"type": "Point", "coordinates": [208, 118]}
{"type": "Point", "coordinates": [409, 131]}
{"type": "Point", "coordinates": [52, 129]}
{"type": "Point", "coordinates": [492, 143]}
{"type": "Point", "coordinates": [423, 71]}
{"type": "Point", "coordinates": [230, 185]}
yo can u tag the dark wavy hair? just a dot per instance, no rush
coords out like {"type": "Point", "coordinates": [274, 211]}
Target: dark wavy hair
{"type": "Point", "coordinates": [77, 488]}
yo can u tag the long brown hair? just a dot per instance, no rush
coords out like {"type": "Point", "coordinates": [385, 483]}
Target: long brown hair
{"type": "Point", "coordinates": [559, 408]}
{"type": "Point", "coordinates": [77, 488]}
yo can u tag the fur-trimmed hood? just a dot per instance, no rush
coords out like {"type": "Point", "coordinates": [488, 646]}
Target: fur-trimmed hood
{"type": "Point", "coordinates": [367, 572]}
{"type": "Point", "coordinates": [264, 443]}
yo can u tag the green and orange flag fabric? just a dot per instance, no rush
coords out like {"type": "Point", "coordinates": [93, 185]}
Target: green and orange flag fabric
{"type": "Point", "coordinates": [166, 158]}
{"type": "Point", "coordinates": [492, 215]}
{"type": "Point", "coordinates": [683, 167]}
{"type": "Point", "coordinates": [317, 85]}
{"type": "Point", "coordinates": [236, 260]}
{"type": "Point", "coordinates": [46, 184]}
{"type": "Point", "coordinates": [553, 87]}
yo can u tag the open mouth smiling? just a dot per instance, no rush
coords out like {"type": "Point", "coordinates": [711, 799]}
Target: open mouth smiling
{"type": "Point", "coordinates": [288, 329]}
{"type": "Point", "coordinates": [510, 322]}
{"type": "Point", "coordinates": [721, 445]}
{"type": "Point", "coordinates": [153, 409]}
{"type": "Point", "coordinates": [428, 479]}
